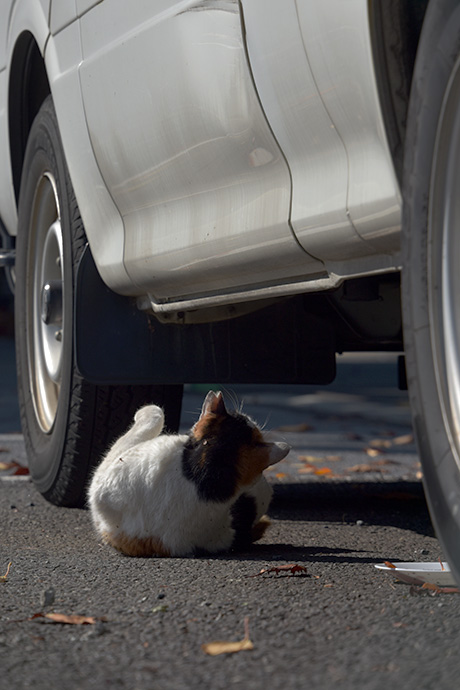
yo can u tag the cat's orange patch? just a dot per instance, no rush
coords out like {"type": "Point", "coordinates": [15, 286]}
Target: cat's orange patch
{"type": "Point", "coordinates": [252, 459]}
{"type": "Point", "coordinates": [207, 424]}
{"type": "Point", "coordinates": [134, 546]}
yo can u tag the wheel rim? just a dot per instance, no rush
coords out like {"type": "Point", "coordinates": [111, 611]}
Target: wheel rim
{"type": "Point", "coordinates": [45, 304]}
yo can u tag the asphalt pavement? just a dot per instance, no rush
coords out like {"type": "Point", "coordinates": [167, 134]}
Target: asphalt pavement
{"type": "Point", "coordinates": [348, 496]}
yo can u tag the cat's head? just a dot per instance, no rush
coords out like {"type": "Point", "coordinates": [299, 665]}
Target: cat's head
{"type": "Point", "coordinates": [229, 439]}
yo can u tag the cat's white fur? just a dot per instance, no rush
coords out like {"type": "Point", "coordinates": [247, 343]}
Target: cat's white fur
{"type": "Point", "coordinates": [139, 491]}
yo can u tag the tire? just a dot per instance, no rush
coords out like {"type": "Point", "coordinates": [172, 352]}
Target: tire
{"type": "Point", "coordinates": [431, 260]}
{"type": "Point", "coordinates": [67, 422]}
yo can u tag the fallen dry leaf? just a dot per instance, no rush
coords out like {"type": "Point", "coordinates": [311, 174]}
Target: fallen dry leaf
{"type": "Point", "coordinates": [71, 619]}
{"type": "Point", "coordinates": [373, 452]}
{"type": "Point", "coordinates": [366, 467]}
{"type": "Point", "coordinates": [289, 568]}
{"type": "Point", "coordinates": [380, 443]}
{"type": "Point", "coordinates": [307, 469]}
{"type": "Point", "coordinates": [389, 564]}
{"type": "Point", "coordinates": [3, 578]}
{"type": "Point", "coordinates": [296, 427]}
{"type": "Point", "coordinates": [403, 440]}
{"type": "Point", "coordinates": [310, 458]}
{"type": "Point", "coordinates": [280, 475]}
{"type": "Point", "coordinates": [18, 469]}
{"type": "Point", "coordinates": [68, 619]}
{"type": "Point", "coordinates": [319, 471]}
{"type": "Point", "coordinates": [222, 647]}
{"type": "Point", "coordinates": [437, 589]}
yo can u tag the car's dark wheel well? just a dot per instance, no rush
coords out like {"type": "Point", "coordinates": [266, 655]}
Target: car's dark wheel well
{"type": "Point", "coordinates": [395, 27]}
{"type": "Point", "coordinates": [28, 88]}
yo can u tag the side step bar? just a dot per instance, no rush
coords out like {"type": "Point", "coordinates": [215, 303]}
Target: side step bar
{"type": "Point", "coordinates": [7, 257]}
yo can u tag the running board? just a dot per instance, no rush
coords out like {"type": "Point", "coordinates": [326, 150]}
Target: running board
{"type": "Point", "coordinates": [7, 257]}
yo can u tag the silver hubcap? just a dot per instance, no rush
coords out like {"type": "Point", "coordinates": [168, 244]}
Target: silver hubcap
{"type": "Point", "coordinates": [445, 260]}
{"type": "Point", "coordinates": [45, 312]}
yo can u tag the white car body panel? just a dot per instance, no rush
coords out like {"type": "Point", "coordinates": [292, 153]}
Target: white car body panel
{"type": "Point", "coordinates": [195, 187]}
{"type": "Point", "coordinates": [102, 220]}
{"type": "Point", "coordinates": [337, 40]}
{"type": "Point", "coordinates": [32, 16]}
{"type": "Point", "coordinates": [313, 148]}
{"type": "Point", "coordinates": [189, 160]}
{"type": "Point", "coordinates": [7, 200]}
{"type": "Point", "coordinates": [346, 201]}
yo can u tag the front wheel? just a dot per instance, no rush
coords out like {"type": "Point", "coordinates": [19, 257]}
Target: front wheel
{"type": "Point", "coordinates": [431, 276]}
{"type": "Point", "coordinates": [67, 422]}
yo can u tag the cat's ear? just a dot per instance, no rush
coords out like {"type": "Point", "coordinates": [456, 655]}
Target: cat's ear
{"type": "Point", "coordinates": [213, 404]}
{"type": "Point", "coordinates": [277, 451]}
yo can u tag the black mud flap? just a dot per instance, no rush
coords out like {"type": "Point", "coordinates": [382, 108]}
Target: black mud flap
{"type": "Point", "coordinates": [115, 343]}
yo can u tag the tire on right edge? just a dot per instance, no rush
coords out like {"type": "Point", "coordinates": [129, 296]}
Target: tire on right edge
{"type": "Point", "coordinates": [431, 267]}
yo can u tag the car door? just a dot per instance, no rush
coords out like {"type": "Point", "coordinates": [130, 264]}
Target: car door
{"type": "Point", "coordinates": [184, 148]}
{"type": "Point", "coordinates": [313, 66]}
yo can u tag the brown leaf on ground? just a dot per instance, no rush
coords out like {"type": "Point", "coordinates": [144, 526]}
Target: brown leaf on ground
{"type": "Point", "coordinates": [289, 569]}
{"type": "Point", "coordinates": [3, 578]}
{"type": "Point", "coordinates": [436, 589]}
{"type": "Point", "coordinates": [403, 440]}
{"type": "Point", "coordinates": [373, 452]}
{"type": "Point", "coordinates": [310, 458]}
{"type": "Point", "coordinates": [318, 471]}
{"type": "Point", "coordinates": [223, 647]}
{"type": "Point", "coordinates": [380, 443]}
{"type": "Point", "coordinates": [307, 469]}
{"type": "Point", "coordinates": [67, 619]}
{"type": "Point", "coordinates": [303, 426]}
{"type": "Point", "coordinates": [389, 564]}
{"type": "Point", "coordinates": [71, 619]}
{"type": "Point", "coordinates": [316, 458]}
{"type": "Point", "coordinates": [366, 467]}
{"type": "Point", "coordinates": [18, 469]}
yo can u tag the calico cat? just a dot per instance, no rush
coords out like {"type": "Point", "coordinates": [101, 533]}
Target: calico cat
{"type": "Point", "coordinates": [176, 495]}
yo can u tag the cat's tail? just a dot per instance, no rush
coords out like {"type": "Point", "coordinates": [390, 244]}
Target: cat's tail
{"type": "Point", "coordinates": [148, 424]}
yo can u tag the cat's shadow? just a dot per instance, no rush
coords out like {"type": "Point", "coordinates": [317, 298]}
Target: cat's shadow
{"type": "Point", "coordinates": [274, 553]}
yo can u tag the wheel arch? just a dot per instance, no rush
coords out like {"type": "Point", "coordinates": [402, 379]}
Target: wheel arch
{"type": "Point", "coordinates": [395, 27]}
{"type": "Point", "coordinates": [28, 88]}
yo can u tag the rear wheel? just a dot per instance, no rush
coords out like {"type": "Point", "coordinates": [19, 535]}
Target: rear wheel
{"type": "Point", "coordinates": [67, 422]}
{"type": "Point", "coordinates": [431, 279]}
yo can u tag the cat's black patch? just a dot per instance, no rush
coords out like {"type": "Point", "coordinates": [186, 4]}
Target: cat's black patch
{"type": "Point", "coordinates": [244, 513]}
{"type": "Point", "coordinates": [210, 462]}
